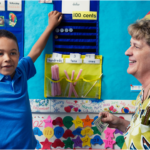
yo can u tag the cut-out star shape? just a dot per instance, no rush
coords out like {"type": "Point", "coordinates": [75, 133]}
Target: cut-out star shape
{"type": "Point", "coordinates": [109, 133]}
{"type": "Point", "coordinates": [77, 142]}
{"type": "Point", "coordinates": [86, 141]}
{"type": "Point", "coordinates": [87, 131]}
{"type": "Point", "coordinates": [68, 143]}
{"type": "Point", "coordinates": [96, 131]}
{"type": "Point", "coordinates": [46, 144]}
{"type": "Point", "coordinates": [109, 143]}
{"type": "Point", "coordinates": [87, 121]}
{"type": "Point", "coordinates": [48, 122]}
{"type": "Point", "coordinates": [78, 122]}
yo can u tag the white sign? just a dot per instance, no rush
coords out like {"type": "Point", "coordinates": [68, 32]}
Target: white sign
{"type": "Point", "coordinates": [14, 5]}
{"type": "Point", "coordinates": [90, 59]}
{"type": "Point", "coordinates": [48, 1]}
{"type": "Point", "coordinates": [2, 5]}
{"type": "Point", "coordinates": [74, 58]}
{"type": "Point", "coordinates": [56, 58]}
{"type": "Point", "coordinates": [136, 88]}
{"type": "Point", "coordinates": [68, 6]}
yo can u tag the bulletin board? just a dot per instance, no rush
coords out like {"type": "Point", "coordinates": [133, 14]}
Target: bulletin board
{"type": "Point", "coordinates": [113, 41]}
{"type": "Point", "coordinates": [66, 134]}
{"type": "Point", "coordinates": [13, 21]}
{"type": "Point", "coordinates": [79, 36]}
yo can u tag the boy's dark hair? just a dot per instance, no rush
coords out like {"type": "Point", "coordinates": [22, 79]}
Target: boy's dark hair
{"type": "Point", "coordinates": [9, 35]}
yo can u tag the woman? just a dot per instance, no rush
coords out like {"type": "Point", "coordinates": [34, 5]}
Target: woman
{"type": "Point", "coordinates": [137, 132]}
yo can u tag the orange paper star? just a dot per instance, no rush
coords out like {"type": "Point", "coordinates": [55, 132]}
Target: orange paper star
{"type": "Point", "coordinates": [87, 121]}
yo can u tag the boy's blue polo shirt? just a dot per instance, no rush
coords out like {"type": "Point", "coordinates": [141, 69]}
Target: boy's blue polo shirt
{"type": "Point", "coordinates": [15, 113]}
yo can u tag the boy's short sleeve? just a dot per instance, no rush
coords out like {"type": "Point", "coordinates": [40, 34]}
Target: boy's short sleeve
{"type": "Point", "coordinates": [27, 66]}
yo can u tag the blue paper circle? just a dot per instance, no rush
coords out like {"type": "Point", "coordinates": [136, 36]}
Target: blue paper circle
{"type": "Point", "coordinates": [58, 132]}
{"type": "Point", "coordinates": [37, 131]}
{"type": "Point", "coordinates": [77, 132]}
{"type": "Point", "coordinates": [96, 140]}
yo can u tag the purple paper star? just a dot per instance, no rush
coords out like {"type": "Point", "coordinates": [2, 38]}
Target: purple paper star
{"type": "Point", "coordinates": [118, 131]}
{"type": "Point", "coordinates": [77, 142]}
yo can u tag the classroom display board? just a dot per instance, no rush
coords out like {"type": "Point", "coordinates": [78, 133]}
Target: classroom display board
{"type": "Point", "coordinates": [74, 132]}
{"type": "Point", "coordinates": [107, 37]}
{"type": "Point", "coordinates": [12, 19]}
{"type": "Point", "coordinates": [79, 30]}
{"type": "Point", "coordinates": [81, 106]}
{"type": "Point", "coordinates": [113, 42]}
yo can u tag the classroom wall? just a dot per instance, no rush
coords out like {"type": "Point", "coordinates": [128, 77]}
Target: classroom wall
{"type": "Point", "coordinates": [114, 18]}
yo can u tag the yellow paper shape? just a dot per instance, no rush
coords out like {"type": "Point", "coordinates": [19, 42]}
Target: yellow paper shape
{"type": "Point", "coordinates": [78, 122]}
{"type": "Point", "coordinates": [48, 132]}
{"type": "Point", "coordinates": [91, 75]}
{"type": "Point", "coordinates": [86, 141]}
{"type": "Point", "coordinates": [87, 131]}
{"type": "Point", "coordinates": [84, 15]}
{"type": "Point", "coordinates": [133, 102]}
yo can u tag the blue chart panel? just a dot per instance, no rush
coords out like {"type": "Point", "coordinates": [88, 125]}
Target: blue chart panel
{"type": "Point", "coordinates": [14, 22]}
{"type": "Point", "coordinates": [78, 36]}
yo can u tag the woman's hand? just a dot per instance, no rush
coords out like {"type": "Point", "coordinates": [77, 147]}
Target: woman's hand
{"type": "Point", "coordinates": [114, 121]}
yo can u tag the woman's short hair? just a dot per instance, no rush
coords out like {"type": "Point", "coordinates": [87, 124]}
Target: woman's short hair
{"type": "Point", "coordinates": [9, 35]}
{"type": "Point", "coordinates": [140, 30]}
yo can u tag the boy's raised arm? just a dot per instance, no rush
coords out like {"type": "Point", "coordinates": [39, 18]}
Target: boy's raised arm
{"type": "Point", "coordinates": [55, 18]}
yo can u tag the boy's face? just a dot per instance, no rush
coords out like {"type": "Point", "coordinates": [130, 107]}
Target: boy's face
{"type": "Point", "coordinates": [9, 56]}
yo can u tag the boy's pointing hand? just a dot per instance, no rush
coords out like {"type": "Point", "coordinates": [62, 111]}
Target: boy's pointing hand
{"type": "Point", "coordinates": [55, 18]}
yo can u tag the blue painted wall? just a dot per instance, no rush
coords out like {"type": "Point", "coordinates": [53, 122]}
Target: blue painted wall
{"type": "Point", "coordinates": [114, 18]}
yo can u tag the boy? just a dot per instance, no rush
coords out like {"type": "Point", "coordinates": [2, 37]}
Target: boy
{"type": "Point", "coordinates": [15, 114]}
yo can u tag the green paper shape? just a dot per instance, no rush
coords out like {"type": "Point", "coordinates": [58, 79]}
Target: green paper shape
{"type": "Point", "coordinates": [96, 131]}
{"type": "Point", "coordinates": [68, 143]}
{"type": "Point", "coordinates": [67, 121]}
{"type": "Point", "coordinates": [120, 141]}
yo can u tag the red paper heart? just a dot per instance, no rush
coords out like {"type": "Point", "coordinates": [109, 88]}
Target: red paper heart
{"type": "Point", "coordinates": [76, 109]}
{"type": "Point", "coordinates": [67, 109]}
{"type": "Point", "coordinates": [75, 101]}
{"type": "Point", "coordinates": [121, 117]}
